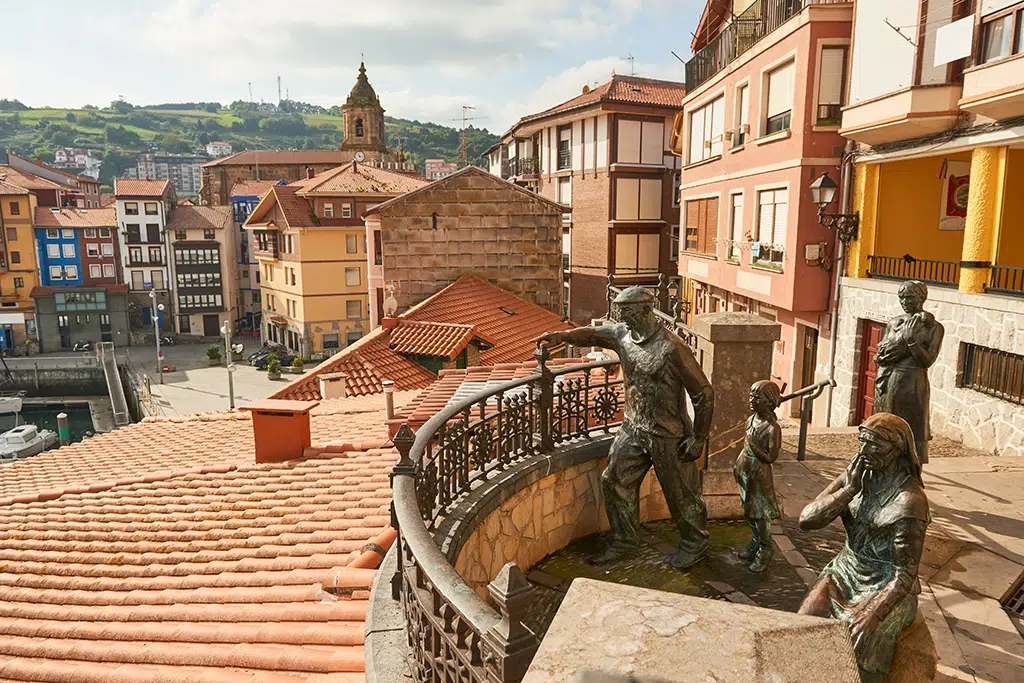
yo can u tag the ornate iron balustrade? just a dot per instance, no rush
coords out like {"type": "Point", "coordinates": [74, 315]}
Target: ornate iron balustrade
{"type": "Point", "coordinates": [1007, 280]}
{"type": "Point", "coordinates": [904, 268]}
{"type": "Point", "coordinates": [455, 636]}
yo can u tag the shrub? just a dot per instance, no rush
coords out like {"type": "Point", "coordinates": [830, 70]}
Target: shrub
{"type": "Point", "coordinates": [213, 351]}
{"type": "Point", "coordinates": [273, 363]}
{"type": "Point", "coordinates": [297, 362]}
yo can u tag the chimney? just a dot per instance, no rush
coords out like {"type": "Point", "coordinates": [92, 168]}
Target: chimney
{"type": "Point", "coordinates": [333, 385]}
{"type": "Point", "coordinates": [389, 399]}
{"type": "Point", "coordinates": [281, 428]}
{"type": "Point", "coordinates": [389, 323]}
{"type": "Point", "coordinates": [309, 173]}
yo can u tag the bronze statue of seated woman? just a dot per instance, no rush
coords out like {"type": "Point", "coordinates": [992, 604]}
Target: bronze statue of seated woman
{"type": "Point", "coordinates": [872, 583]}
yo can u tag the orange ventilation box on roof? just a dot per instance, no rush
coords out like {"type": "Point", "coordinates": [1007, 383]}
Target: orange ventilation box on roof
{"type": "Point", "coordinates": [280, 428]}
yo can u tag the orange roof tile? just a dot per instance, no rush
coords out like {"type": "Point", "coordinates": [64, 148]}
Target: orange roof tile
{"type": "Point", "coordinates": [621, 89]}
{"type": "Point", "coordinates": [200, 217]}
{"type": "Point", "coordinates": [280, 156]}
{"type": "Point", "coordinates": [107, 199]}
{"type": "Point", "coordinates": [132, 187]}
{"type": "Point", "coordinates": [295, 210]}
{"type": "Point", "coordinates": [163, 552]}
{"type": "Point", "coordinates": [29, 181]}
{"type": "Point", "coordinates": [9, 189]}
{"type": "Point", "coordinates": [356, 179]}
{"type": "Point", "coordinates": [445, 340]}
{"type": "Point", "coordinates": [75, 218]}
{"type": "Point", "coordinates": [252, 188]}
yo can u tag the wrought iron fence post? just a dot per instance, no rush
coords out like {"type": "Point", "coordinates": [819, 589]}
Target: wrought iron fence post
{"type": "Point", "coordinates": [405, 467]}
{"type": "Point", "coordinates": [546, 398]}
{"type": "Point", "coordinates": [509, 645]}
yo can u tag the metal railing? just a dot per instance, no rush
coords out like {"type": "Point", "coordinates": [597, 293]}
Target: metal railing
{"type": "Point", "coordinates": [454, 634]}
{"type": "Point", "coordinates": [1006, 279]}
{"type": "Point", "coordinates": [910, 268]}
{"type": "Point", "coordinates": [993, 372]}
{"type": "Point", "coordinates": [750, 26]}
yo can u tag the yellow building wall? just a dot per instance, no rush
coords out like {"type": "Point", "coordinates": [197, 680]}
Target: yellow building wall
{"type": "Point", "coordinates": [909, 203]}
{"type": "Point", "coordinates": [27, 268]}
{"type": "Point", "coordinates": [1011, 230]}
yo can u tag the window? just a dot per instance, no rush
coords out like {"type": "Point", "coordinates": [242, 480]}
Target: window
{"type": "Point", "coordinates": [131, 208]}
{"type": "Point", "coordinates": [328, 210]}
{"type": "Point", "coordinates": [107, 248]}
{"type": "Point", "coordinates": [676, 185]}
{"type": "Point", "coordinates": [635, 254]}
{"type": "Point", "coordinates": [71, 272]}
{"type": "Point", "coordinates": [353, 310]}
{"type": "Point", "coordinates": [137, 280]}
{"type": "Point", "coordinates": [95, 270]}
{"type": "Point", "coordinates": [151, 208]}
{"type": "Point", "coordinates": [157, 278]}
{"type": "Point", "coordinates": [104, 232]}
{"type": "Point", "coordinates": [181, 235]}
{"type": "Point", "coordinates": [351, 244]}
{"type": "Point", "coordinates": [993, 372]}
{"type": "Point", "coordinates": [831, 79]}
{"type": "Point", "coordinates": [108, 270]}
{"type": "Point", "coordinates": [352, 278]}
{"type": "Point", "coordinates": [735, 227]}
{"type": "Point", "coordinates": [56, 272]}
{"type": "Point", "coordinates": [152, 233]}
{"type": "Point", "coordinates": [15, 208]}
{"type": "Point", "coordinates": [739, 136]}
{"type": "Point", "coordinates": [674, 253]}
{"type": "Point", "coordinates": [92, 249]}
{"type": "Point", "coordinates": [12, 234]}
{"type": "Point", "coordinates": [359, 128]}
{"type": "Point", "coordinates": [68, 233]}
{"type": "Point", "coordinates": [564, 148]}
{"type": "Point", "coordinates": [155, 255]}
{"type": "Point", "coordinates": [52, 233]}
{"type": "Point", "coordinates": [772, 213]}
{"type": "Point", "coordinates": [184, 324]}
{"type": "Point", "coordinates": [346, 211]}
{"type": "Point", "coordinates": [53, 250]}
{"type": "Point", "coordinates": [209, 234]}
{"type": "Point", "coordinates": [330, 341]}
{"type": "Point", "coordinates": [69, 250]}
{"type": "Point", "coordinates": [19, 282]}
{"type": "Point", "coordinates": [565, 191]}
{"type": "Point", "coordinates": [706, 126]}
{"type": "Point", "coordinates": [701, 225]}
{"type": "Point", "coordinates": [779, 110]}
{"type": "Point", "coordinates": [637, 199]}
{"type": "Point", "coordinates": [15, 257]}
{"type": "Point", "coordinates": [133, 236]}
{"type": "Point", "coordinates": [640, 142]}
{"type": "Point", "coordinates": [90, 233]}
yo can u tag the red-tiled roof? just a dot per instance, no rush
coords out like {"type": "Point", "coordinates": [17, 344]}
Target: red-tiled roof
{"type": "Point", "coordinates": [444, 340]}
{"type": "Point", "coordinates": [200, 217]}
{"type": "Point", "coordinates": [53, 169]}
{"type": "Point", "coordinates": [357, 179]}
{"type": "Point", "coordinates": [29, 181]}
{"type": "Point", "coordinates": [496, 316]}
{"type": "Point", "coordinates": [132, 187]}
{"type": "Point", "coordinates": [75, 218]}
{"type": "Point", "coordinates": [9, 189]}
{"type": "Point", "coordinates": [107, 199]}
{"type": "Point", "coordinates": [280, 156]}
{"type": "Point", "coordinates": [295, 210]}
{"type": "Point", "coordinates": [163, 552]}
{"type": "Point", "coordinates": [621, 89]}
{"type": "Point", "coordinates": [252, 188]}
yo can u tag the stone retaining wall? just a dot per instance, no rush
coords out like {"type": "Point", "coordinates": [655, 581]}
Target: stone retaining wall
{"type": "Point", "coordinates": [970, 417]}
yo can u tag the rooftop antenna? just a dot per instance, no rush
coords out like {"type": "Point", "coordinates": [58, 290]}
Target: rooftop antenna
{"type": "Point", "coordinates": [250, 91]}
{"type": "Point", "coordinates": [462, 134]}
{"type": "Point", "coordinates": [279, 90]}
{"type": "Point", "coordinates": [631, 61]}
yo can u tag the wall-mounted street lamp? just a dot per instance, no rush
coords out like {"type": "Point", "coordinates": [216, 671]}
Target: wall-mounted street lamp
{"type": "Point", "coordinates": [823, 192]}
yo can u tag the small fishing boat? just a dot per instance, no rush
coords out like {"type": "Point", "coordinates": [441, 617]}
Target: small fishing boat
{"type": "Point", "coordinates": [26, 440]}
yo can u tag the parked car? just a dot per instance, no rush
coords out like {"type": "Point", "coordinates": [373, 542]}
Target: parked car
{"type": "Point", "coordinates": [265, 351]}
{"type": "Point", "coordinates": [82, 346]}
{"type": "Point", "coordinates": [286, 358]}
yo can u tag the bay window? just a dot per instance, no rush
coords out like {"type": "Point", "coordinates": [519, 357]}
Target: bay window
{"type": "Point", "coordinates": [706, 127]}
{"type": "Point", "coordinates": [637, 254]}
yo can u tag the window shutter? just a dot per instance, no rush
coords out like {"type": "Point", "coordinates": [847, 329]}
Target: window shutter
{"type": "Point", "coordinates": [765, 217]}
{"type": "Point", "coordinates": [780, 90]}
{"type": "Point", "coordinates": [711, 226]}
{"type": "Point", "coordinates": [744, 106]}
{"type": "Point", "coordinates": [717, 125]}
{"type": "Point", "coordinates": [697, 135]}
{"type": "Point", "coordinates": [830, 75]}
{"type": "Point", "coordinates": [702, 226]}
{"type": "Point", "coordinates": [781, 217]}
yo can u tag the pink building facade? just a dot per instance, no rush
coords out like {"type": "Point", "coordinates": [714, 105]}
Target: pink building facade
{"type": "Point", "coordinates": [759, 125]}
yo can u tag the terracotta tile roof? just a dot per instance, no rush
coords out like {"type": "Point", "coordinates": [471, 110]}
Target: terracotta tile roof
{"type": "Point", "coordinates": [53, 169]}
{"type": "Point", "coordinates": [280, 156]}
{"type": "Point", "coordinates": [29, 181]}
{"type": "Point", "coordinates": [75, 218]}
{"type": "Point", "coordinates": [107, 199]}
{"type": "Point", "coordinates": [252, 188]}
{"type": "Point", "coordinates": [496, 316]}
{"type": "Point", "coordinates": [163, 552]}
{"type": "Point", "coordinates": [504, 319]}
{"type": "Point", "coordinates": [295, 210]}
{"type": "Point", "coordinates": [200, 217]}
{"type": "Point", "coordinates": [355, 178]}
{"type": "Point", "coordinates": [131, 187]}
{"type": "Point", "coordinates": [445, 340]}
{"type": "Point", "coordinates": [9, 189]}
{"type": "Point", "coordinates": [621, 89]}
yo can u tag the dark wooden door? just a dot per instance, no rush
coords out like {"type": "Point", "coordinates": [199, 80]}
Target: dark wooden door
{"type": "Point", "coordinates": [810, 361]}
{"type": "Point", "coordinates": [211, 326]}
{"type": "Point", "coordinates": [873, 332]}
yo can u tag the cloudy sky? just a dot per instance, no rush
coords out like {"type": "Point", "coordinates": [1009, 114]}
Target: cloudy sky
{"type": "Point", "coordinates": [424, 57]}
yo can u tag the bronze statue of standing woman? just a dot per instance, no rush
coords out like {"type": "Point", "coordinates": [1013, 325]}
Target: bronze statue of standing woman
{"type": "Point", "coordinates": [910, 346]}
{"type": "Point", "coordinates": [753, 472]}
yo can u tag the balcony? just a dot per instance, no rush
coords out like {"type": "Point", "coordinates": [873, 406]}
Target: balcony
{"type": "Point", "coordinates": [142, 263]}
{"type": "Point", "coordinates": [943, 273]}
{"type": "Point", "coordinates": [995, 90]}
{"type": "Point", "coordinates": [521, 167]}
{"type": "Point", "coordinates": [910, 113]}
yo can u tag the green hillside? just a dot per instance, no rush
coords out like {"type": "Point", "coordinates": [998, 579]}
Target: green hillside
{"type": "Point", "coordinates": [121, 131]}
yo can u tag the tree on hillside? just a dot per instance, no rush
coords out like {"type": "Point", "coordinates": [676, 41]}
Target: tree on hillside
{"type": "Point", "coordinates": [12, 105]}
{"type": "Point", "coordinates": [121, 107]}
{"type": "Point", "coordinates": [173, 143]}
{"type": "Point", "coordinates": [114, 164]}
{"type": "Point", "coordinates": [117, 135]}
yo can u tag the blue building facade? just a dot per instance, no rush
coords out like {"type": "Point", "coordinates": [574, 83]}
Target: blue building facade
{"type": "Point", "coordinates": [60, 257]}
{"type": "Point", "coordinates": [242, 205]}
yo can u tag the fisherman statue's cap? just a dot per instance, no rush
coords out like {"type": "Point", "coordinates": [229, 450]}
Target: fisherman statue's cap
{"type": "Point", "coordinates": [634, 295]}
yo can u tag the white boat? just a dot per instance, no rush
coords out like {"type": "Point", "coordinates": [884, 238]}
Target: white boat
{"type": "Point", "coordinates": [10, 404]}
{"type": "Point", "coordinates": [26, 440]}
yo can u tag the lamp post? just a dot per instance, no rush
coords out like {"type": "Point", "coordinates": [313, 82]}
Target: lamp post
{"type": "Point", "coordinates": [226, 331]}
{"type": "Point", "coordinates": [156, 333]}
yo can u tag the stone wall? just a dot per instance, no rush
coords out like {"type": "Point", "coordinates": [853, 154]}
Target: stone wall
{"type": "Point", "coordinates": [975, 419]}
{"type": "Point", "coordinates": [543, 518]}
{"type": "Point", "coordinates": [85, 380]}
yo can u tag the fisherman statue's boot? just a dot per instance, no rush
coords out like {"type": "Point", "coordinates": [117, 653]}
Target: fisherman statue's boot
{"type": "Point", "coordinates": [762, 558]}
{"type": "Point", "coordinates": [751, 549]}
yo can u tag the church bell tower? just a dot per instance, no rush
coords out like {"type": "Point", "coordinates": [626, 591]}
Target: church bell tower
{"type": "Point", "coordinates": [364, 120]}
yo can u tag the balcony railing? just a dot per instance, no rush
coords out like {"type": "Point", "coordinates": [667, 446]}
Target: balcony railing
{"type": "Point", "coordinates": [909, 268]}
{"type": "Point", "coordinates": [753, 24]}
{"type": "Point", "coordinates": [1007, 280]}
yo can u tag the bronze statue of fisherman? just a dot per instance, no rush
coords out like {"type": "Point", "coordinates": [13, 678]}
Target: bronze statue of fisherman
{"type": "Point", "coordinates": [659, 372]}
{"type": "Point", "coordinates": [872, 583]}
{"type": "Point", "coordinates": [910, 346]}
{"type": "Point", "coordinates": [753, 472]}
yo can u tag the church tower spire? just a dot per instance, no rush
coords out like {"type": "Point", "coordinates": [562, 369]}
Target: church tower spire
{"type": "Point", "coordinates": [363, 117]}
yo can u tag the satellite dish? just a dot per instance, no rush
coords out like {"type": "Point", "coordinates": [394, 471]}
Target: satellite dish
{"type": "Point", "coordinates": [360, 156]}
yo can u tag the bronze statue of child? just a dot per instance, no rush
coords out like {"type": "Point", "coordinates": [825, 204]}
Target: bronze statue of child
{"type": "Point", "coordinates": [753, 472]}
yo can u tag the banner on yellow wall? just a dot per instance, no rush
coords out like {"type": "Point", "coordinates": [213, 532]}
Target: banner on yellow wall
{"type": "Point", "coordinates": [955, 189]}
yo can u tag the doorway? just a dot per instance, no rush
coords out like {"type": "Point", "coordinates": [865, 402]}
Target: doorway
{"type": "Point", "coordinates": [870, 339]}
{"type": "Point", "coordinates": [211, 325]}
{"type": "Point", "coordinates": [808, 361]}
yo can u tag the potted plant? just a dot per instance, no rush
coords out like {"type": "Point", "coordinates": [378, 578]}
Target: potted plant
{"type": "Point", "coordinates": [297, 365]}
{"type": "Point", "coordinates": [274, 367]}
{"type": "Point", "coordinates": [213, 354]}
